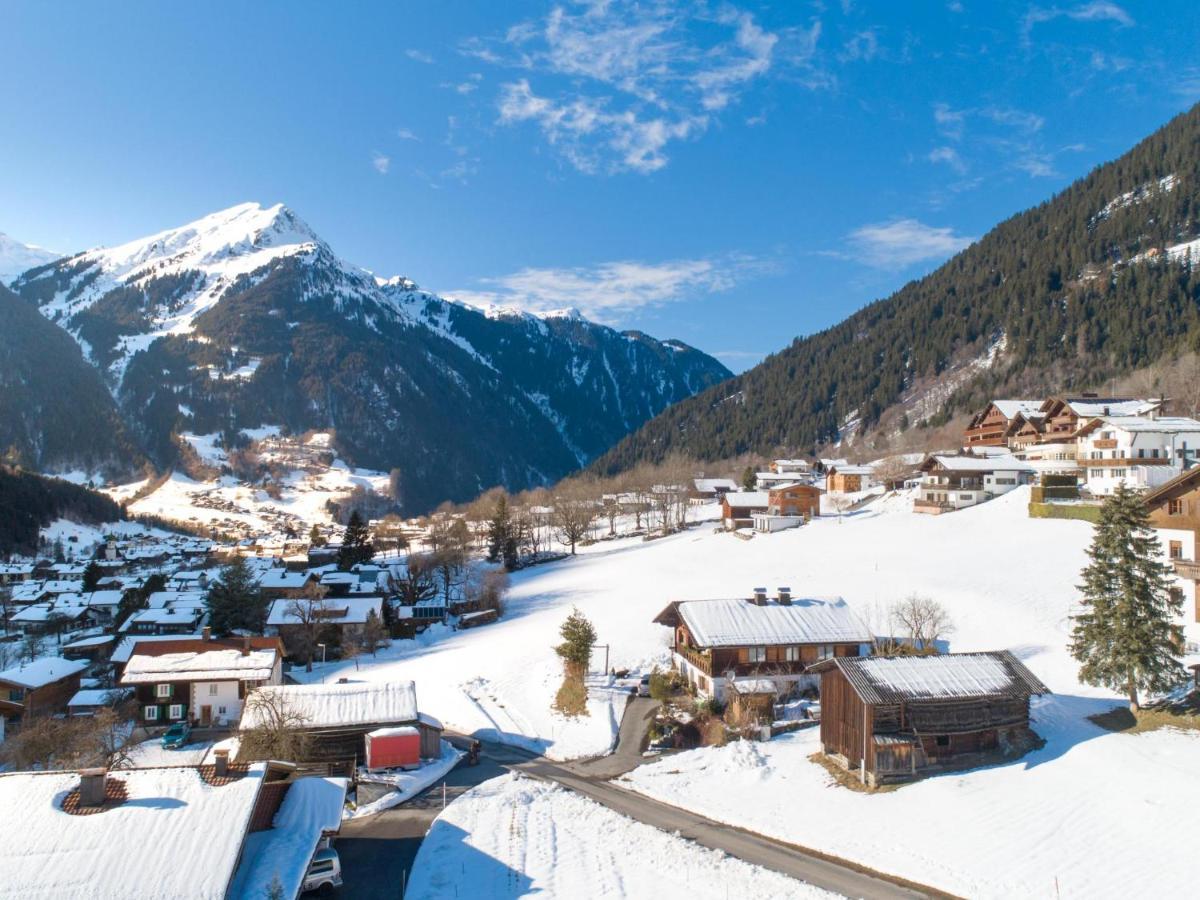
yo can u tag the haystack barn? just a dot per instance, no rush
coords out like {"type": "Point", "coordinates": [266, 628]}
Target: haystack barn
{"type": "Point", "coordinates": [893, 718]}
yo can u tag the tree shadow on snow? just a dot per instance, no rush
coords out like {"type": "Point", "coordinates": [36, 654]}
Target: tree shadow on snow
{"type": "Point", "coordinates": [472, 872]}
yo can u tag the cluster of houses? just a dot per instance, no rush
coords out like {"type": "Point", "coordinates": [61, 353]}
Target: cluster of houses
{"type": "Point", "coordinates": [882, 718]}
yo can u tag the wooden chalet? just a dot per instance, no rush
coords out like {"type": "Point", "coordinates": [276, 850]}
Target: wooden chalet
{"type": "Point", "coordinates": [39, 688]}
{"type": "Point", "coordinates": [797, 499]}
{"type": "Point", "coordinates": [738, 507]}
{"type": "Point", "coordinates": [894, 718]}
{"type": "Point", "coordinates": [848, 479]}
{"type": "Point", "coordinates": [1174, 510]}
{"type": "Point", "coordinates": [719, 643]}
{"type": "Point", "coordinates": [994, 426]}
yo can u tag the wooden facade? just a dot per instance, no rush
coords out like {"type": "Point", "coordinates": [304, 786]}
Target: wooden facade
{"type": "Point", "coordinates": [795, 500]}
{"type": "Point", "coordinates": [45, 700]}
{"type": "Point", "coordinates": [890, 735]}
{"type": "Point", "coordinates": [1176, 506]}
{"type": "Point", "coordinates": [989, 428]}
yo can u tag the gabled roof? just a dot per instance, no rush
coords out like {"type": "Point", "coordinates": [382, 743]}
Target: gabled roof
{"type": "Point", "coordinates": [748, 498]}
{"type": "Point", "coordinates": [738, 622]}
{"type": "Point", "coordinates": [1006, 463]}
{"type": "Point", "coordinates": [340, 705]}
{"type": "Point", "coordinates": [1010, 408]}
{"type": "Point", "coordinates": [885, 680]}
{"type": "Point", "coordinates": [332, 610]}
{"type": "Point", "coordinates": [1181, 484]}
{"type": "Point", "coordinates": [41, 672]}
{"type": "Point", "coordinates": [124, 649]}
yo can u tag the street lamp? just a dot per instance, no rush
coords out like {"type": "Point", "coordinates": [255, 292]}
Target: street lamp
{"type": "Point", "coordinates": [322, 646]}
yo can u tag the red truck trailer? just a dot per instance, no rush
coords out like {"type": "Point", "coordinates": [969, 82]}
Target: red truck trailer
{"type": "Point", "coordinates": [394, 748]}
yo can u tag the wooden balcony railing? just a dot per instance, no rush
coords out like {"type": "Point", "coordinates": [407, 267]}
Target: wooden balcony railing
{"type": "Point", "coordinates": [1125, 461]}
{"type": "Point", "coordinates": [697, 658]}
{"type": "Point", "coordinates": [1187, 568]}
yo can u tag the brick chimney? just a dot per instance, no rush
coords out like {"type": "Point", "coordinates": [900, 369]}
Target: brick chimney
{"type": "Point", "coordinates": [221, 761]}
{"type": "Point", "coordinates": [92, 786]}
{"type": "Point", "coordinates": [206, 634]}
{"type": "Point", "coordinates": [759, 596]}
{"type": "Point", "coordinates": [785, 596]}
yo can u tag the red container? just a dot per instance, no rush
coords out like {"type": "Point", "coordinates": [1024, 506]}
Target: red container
{"type": "Point", "coordinates": [394, 748]}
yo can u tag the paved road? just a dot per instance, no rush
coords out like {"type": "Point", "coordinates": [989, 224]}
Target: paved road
{"type": "Point", "coordinates": [377, 851]}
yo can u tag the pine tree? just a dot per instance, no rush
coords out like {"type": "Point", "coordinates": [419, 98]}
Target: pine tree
{"type": "Point", "coordinates": [1125, 638]}
{"type": "Point", "coordinates": [91, 576]}
{"type": "Point", "coordinates": [502, 541]}
{"type": "Point", "coordinates": [235, 602]}
{"type": "Point", "coordinates": [356, 544]}
{"type": "Point", "coordinates": [579, 636]}
{"type": "Point", "coordinates": [749, 478]}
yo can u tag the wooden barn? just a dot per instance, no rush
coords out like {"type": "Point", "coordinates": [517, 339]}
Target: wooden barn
{"type": "Point", "coordinates": [337, 717]}
{"type": "Point", "coordinates": [894, 718]}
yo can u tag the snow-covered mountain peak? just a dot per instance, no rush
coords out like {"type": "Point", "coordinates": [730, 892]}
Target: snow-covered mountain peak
{"type": "Point", "coordinates": [16, 257]}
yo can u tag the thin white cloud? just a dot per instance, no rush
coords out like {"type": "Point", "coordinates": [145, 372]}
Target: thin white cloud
{"type": "Point", "coordinates": [1096, 11]}
{"type": "Point", "coordinates": [949, 156]}
{"type": "Point", "coordinates": [612, 86]}
{"type": "Point", "coordinates": [380, 162]}
{"type": "Point", "coordinates": [419, 56]}
{"type": "Point", "coordinates": [950, 122]}
{"type": "Point", "coordinates": [406, 134]}
{"type": "Point", "coordinates": [863, 46]}
{"type": "Point", "coordinates": [901, 243]}
{"type": "Point", "coordinates": [611, 290]}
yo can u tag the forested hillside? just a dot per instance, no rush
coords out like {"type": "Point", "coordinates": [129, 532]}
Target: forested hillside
{"type": "Point", "coordinates": [1089, 285]}
{"type": "Point", "coordinates": [55, 412]}
{"type": "Point", "coordinates": [28, 502]}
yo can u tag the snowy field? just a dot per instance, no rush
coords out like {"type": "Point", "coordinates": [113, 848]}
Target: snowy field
{"type": "Point", "coordinates": [515, 837]}
{"type": "Point", "coordinates": [1090, 810]}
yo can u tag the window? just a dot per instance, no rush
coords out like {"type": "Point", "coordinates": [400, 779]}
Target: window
{"type": "Point", "coordinates": [1154, 453]}
{"type": "Point", "coordinates": [151, 713]}
{"type": "Point", "coordinates": [1174, 508]}
{"type": "Point", "coordinates": [175, 711]}
{"type": "Point", "coordinates": [212, 689]}
{"type": "Point", "coordinates": [162, 691]}
{"type": "Point", "coordinates": [791, 654]}
{"type": "Point", "coordinates": [824, 651]}
{"type": "Point", "coordinates": [1175, 549]}
{"type": "Point", "coordinates": [1141, 452]}
{"type": "Point", "coordinates": [758, 654]}
{"type": "Point", "coordinates": [943, 740]}
{"type": "Point", "coordinates": [220, 710]}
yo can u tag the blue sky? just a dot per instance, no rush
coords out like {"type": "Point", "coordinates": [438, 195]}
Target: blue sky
{"type": "Point", "coordinates": [731, 175]}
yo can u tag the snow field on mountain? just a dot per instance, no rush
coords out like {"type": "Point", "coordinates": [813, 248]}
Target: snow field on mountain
{"type": "Point", "coordinates": [515, 837]}
{"type": "Point", "coordinates": [1008, 582]}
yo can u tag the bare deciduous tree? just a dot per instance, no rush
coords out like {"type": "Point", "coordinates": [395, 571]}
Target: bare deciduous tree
{"type": "Point", "coordinates": [575, 509]}
{"type": "Point", "coordinates": [309, 613]}
{"type": "Point", "coordinates": [277, 728]}
{"type": "Point", "coordinates": [923, 619]}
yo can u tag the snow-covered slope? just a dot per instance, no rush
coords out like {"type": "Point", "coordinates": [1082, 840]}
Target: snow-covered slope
{"type": "Point", "coordinates": [246, 319]}
{"type": "Point", "coordinates": [1094, 809]}
{"type": "Point", "coordinates": [16, 257]}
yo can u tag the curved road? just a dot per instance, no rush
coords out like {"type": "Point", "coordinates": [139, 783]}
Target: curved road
{"type": "Point", "coordinates": [378, 851]}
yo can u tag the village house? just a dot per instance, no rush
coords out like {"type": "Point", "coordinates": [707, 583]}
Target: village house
{"type": "Point", "coordinates": [207, 832]}
{"type": "Point", "coordinates": [1174, 510]}
{"type": "Point", "coordinates": [87, 701]}
{"type": "Point", "coordinates": [788, 505]}
{"type": "Point", "coordinates": [765, 481]}
{"type": "Point", "coordinates": [12, 573]}
{"type": "Point", "coordinates": [336, 620]}
{"type": "Point", "coordinates": [706, 490]}
{"type": "Point", "coordinates": [201, 680]}
{"type": "Point", "coordinates": [719, 643]}
{"type": "Point", "coordinates": [791, 467]}
{"type": "Point", "coordinates": [955, 482]}
{"type": "Point", "coordinates": [995, 425]}
{"type": "Point", "coordinates": [280, 583]}
{"type": "Point", "coordinates": [1138, 451]}
{"type": "Point", "coordinates": [893, 718]}
{"type": "Point", "coordinates": [738, 507]}
{"type": "Point", "coordinates": [169, 612]}
{"type": "Point", "coordinates": [39, 688]}
{"type": "Point", "coordinates": [337, 717]}
{"type": "Point", "coordinates": [846, 479]}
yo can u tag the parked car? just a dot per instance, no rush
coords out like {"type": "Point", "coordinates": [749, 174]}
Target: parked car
{"type": "Point", "coordinates": [643, 688]}
{"type": "Point", "coordinates": [324, 872]}
{"type": "Point", "coordinates": [177, 735]}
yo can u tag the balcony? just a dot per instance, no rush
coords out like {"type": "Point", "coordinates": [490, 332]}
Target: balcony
{"type": "Point", "coordinates": [697, 658]}
{"type": "Point", "coordinates": [1125, 461]}
{"type": "Point", "coordinates": [1187, 568]}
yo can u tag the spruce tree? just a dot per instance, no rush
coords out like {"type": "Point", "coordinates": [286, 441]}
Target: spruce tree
{"type": "Point", "coordinates": [1125, 637]}
{"type": "Point", "coordinates": [235, 602]}
{"type": "Point", "coordinates": [356, 544]}
{"type": "Point", "coordinates": [501, 543]}
{"type": "Point", "coordinates": [91, 576]}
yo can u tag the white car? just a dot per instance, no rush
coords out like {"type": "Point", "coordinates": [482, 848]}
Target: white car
{"type": "Point", "coordinates": [643, 688]}
{"type": "Point", "coordinates": [325, 871]}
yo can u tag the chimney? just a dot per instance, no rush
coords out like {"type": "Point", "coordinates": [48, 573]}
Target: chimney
{"type": "Point", "coordinates": [760, 596]}
{"type": "Point", "coordinates": [246, 645]}
{"type": "Point", "coordinates": [221, 761]}
{"type": "Point", "coordinates": [785, 596]}
{"type": "Point", "coordinates": [206, 634]}
{"type": "Point", "coordinates": [343, 681]}
{"type": "Point", "coordinates": [92, 785]}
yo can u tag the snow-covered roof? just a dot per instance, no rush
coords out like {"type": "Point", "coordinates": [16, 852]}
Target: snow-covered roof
{"type": "Point", "coordinates": [42, 672]}
{"type": "Point", "coordinates": [161, 599]}
{"type": "Point", "coordinates": [95, 640]}
{"type": "Point", "coordinates": [712, 485]}
{"type": "Point", "coordinates": [280, 579]}
{"type": "Point", "coordinates": [1089, 407]}
{"type": "Point", "coordinates": [748, 498]}
{"type": "Point", "coordinates": [738, 622]}
{"type": "Point", "coordinates": [311, 807]}
{"type": "Point", "coordinates": [854, 470]}
{"type": "Point", "coordinates": [1163, 424]}
{"type": "Point", "coordinates": [172, 615]}
{"type": "Point", "coordinates": [218, 664]}
{"type": "Point", "coordinates": [334, 705]}
{"type": "Point", "coordinates": [124, 649]}
{"type": "Point", "coordinates": [100, 696]}
{"type": "Point", "coordinates": [1010, 408]}
{"type": "Point", "coordinates": [879, 679]}
{"type": "Point", "coordinates": [333, 610]}
{"type": "Point", "coordinates": [1006, 463]}
{"type": "Point", "coordinates": [174, 836]}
